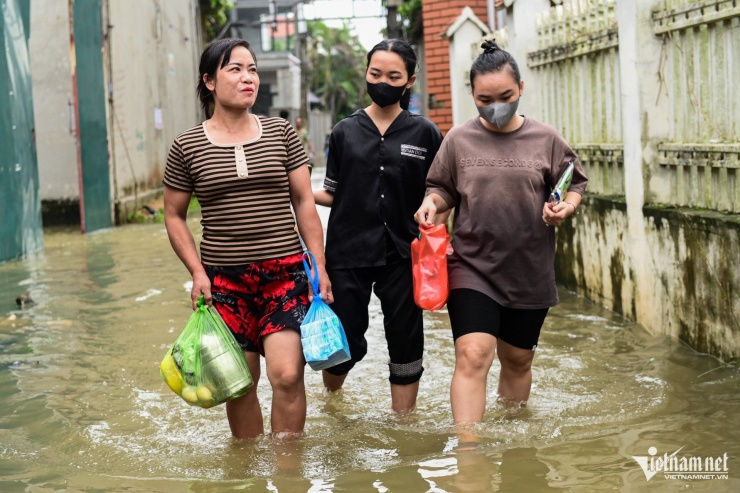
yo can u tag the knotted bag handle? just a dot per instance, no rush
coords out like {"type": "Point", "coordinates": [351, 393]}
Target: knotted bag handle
{"type": "Point", "coordinates": [313, 277]}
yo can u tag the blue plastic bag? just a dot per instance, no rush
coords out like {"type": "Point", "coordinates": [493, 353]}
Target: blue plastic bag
{"type": "Point", "coordinates": [322, 335]}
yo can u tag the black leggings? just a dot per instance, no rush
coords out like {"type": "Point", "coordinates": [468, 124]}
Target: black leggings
{"type": "Point", "coordinates": [472, 311]}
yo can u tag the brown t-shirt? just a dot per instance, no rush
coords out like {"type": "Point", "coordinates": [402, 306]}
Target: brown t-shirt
{"type": "Point", "coordinates": [498, 184]}
{"type": "Point", "coordinates": [242, 189]}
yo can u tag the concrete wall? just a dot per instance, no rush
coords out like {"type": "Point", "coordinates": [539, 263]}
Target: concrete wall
{"type": "Point", "coordinates": [153, 55]}
{"type": "Point", "coordinates": [678, 275]}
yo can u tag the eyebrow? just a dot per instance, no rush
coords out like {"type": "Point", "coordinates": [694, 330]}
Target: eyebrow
{"type": "Point", "coordinates": [393, 72]}
{"type": "Point", "coordinates": [240, 65]}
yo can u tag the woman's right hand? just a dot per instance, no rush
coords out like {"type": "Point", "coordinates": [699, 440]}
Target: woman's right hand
{"type": "Point", "coordinates": [425, 215]}
{"type": "Point", "coordinates": [201, 286]}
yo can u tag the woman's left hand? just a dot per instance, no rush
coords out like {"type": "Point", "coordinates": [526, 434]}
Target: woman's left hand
{"type": "Point", "coordinates": [555, 214]}
{"type": "Point", "coordinates": [324, 286]}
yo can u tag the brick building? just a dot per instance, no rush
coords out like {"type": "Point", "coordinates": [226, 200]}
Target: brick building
{"type": "Point", "coordinates": [438, 15]}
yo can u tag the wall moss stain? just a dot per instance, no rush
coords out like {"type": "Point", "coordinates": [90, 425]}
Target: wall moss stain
{"type": "Point", "coordinates": [694, 270]}
{"type": "Point", "coordinates": [616, 272]}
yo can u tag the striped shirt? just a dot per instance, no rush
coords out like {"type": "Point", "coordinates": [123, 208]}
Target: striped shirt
{"type": "Point", "coordinates": [242, 189]}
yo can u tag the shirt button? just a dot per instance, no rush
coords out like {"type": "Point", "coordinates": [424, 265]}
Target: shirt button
{"type": "Point", "coordinates": [238, 147]}
{"type": "Point", "coordinates": [382, 168]}
{"type": "Point", "coordinates": [242, 175]}
{"type": "Point", "coordinates": [382, 139]}
{"type": "Point", "coordinates": [382, 196]}
{"type": "Point", "coordinates": [240, 159]}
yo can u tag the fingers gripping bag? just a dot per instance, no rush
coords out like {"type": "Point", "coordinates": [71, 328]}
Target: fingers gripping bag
{"type": "Point", "coordinates": [322, 335]}
{"type": "Point", "coordinates": [429, 267]}
{"type": "Point", "coordinates": [205, 366]}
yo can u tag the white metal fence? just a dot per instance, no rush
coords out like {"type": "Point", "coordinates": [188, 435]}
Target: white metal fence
{"type": "Point", "coordinates": [700, 70]}
{"type": "Point", "coordinates": [577, 66]}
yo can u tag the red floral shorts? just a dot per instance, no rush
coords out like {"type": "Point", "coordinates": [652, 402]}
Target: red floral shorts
{"type": "Point", "coordinates": [261, 298]}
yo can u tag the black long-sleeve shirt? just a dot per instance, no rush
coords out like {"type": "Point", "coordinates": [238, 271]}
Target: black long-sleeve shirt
{"type": "Point", "coordinates": [378, 182]}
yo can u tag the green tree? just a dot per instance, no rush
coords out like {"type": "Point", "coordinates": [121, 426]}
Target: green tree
{"type": "Point", "coordinates": [336, 64]}
{"type": "Point", "coordinates": [410, 22]}
{"type": "Point", "coordinates": [214, 16]}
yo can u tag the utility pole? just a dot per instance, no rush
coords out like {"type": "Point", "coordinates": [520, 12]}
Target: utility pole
{"type": "Point", "coordinates": [392, 21]}
{"type": "Point", "coordinates": [301, 39]}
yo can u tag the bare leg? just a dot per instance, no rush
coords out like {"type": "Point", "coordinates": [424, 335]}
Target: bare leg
{"type": "Point", "coordinates": [515, 381]}
{"type": "Point", "coordinates": [244, 414]}
{"type": "Point", "coordinates": [285, 364]}
{"type": "Point", "coordinates": [473, 358]}
{"type": "Point", "coordinates": [333, 382]}
{"type": "Point", "coordinates": [403, 397]}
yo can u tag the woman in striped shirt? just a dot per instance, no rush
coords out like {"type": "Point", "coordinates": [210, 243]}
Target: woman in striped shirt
{"type": "Point", "coordinates": [246, 171]}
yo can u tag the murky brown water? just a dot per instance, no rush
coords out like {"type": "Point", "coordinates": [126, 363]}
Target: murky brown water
{"type": "Point", "coordinates": [83, 408]}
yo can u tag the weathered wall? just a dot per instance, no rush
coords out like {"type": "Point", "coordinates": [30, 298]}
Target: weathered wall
{"type": "Point", "coordinates": [153, 54]}
{"type": "Point", "coordinates": [683, 281]}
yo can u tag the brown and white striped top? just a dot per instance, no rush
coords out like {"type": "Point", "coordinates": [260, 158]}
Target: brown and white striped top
{"type": "Point", "coordinates": [242, 189]}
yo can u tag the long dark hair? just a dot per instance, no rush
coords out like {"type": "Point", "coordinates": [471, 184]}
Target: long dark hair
{"type": "Point", "coordinates": [217, 51]}
{"type": "Point", "coordinates": [494, 59]}
{"type": "Point", "coordinates": [403, 49]}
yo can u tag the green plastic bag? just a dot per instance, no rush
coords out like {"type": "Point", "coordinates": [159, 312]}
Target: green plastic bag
{"type": "Point", "coordinates": [205, 366]}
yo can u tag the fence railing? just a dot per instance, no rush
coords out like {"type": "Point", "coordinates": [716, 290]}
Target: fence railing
{"type": "Point", "coordinates": [699, 71]}
{"type": "Point", "coordinates": [577, 69]}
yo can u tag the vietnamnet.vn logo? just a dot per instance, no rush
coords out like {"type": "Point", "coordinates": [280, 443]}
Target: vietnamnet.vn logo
{"type": "Point", "coordinates": [674, 467]}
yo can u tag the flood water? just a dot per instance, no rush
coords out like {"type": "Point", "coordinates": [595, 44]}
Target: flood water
{"type": "Point", "coordinates": [84, 409]}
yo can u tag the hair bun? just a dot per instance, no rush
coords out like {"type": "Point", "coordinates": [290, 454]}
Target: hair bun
{"type": "Point", "coordinates": [490, 46]}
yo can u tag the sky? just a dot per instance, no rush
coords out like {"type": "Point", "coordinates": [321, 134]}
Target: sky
{"type": "Point", "coordinates": [368, 17]}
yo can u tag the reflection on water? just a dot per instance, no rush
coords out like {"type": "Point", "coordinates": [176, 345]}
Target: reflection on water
{"type": "Point", "coordinates": [83, 408]}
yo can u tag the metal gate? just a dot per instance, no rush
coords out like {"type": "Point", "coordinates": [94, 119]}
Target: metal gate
{"type": "Point", "coordinates": [20, 207]}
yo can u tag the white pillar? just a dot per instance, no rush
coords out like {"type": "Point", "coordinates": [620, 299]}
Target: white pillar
{"type": "Point", "coordinates": [522, 27]}
{"type": "Point", "coordinates": [643, 124]}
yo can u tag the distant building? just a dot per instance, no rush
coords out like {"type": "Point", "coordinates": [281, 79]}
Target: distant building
{"type": "Point", "coordinates": [272, 28]}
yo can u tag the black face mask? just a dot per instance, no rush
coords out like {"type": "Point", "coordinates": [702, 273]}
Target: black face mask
{"type": "Point", "coordinates": [384, 94]}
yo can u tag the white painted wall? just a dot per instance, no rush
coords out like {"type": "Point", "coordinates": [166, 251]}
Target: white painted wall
{"type": "Point", "coordinates": [463, 33]}
{"type": "Point", "coordinates": [153, 55]}
{"type": "Point", "coordinates": [51, 77]}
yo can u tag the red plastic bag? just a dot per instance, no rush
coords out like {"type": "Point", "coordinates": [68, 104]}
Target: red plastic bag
{"type": "Point", "coordinates": [429, 267]}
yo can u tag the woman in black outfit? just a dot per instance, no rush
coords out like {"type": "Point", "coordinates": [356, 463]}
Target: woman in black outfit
{"type": "Point", "coordinates": [375, 179]}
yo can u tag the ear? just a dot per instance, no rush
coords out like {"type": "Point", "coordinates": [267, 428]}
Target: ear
{"type": "Point", "coordinates": [210, 83]}
{"type": "Point", "coordinates": [521, 88]}
{"type": "Point", "coordinates": [411, 81]}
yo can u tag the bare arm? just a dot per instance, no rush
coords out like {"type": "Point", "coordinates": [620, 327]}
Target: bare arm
{"type": "Point", "coordinates": [432, 205]}
{"type": "Point", "coordinates": [309, 225]}
{"type": "Point", "coordinates": [323, 197]}
{"type": "Point", "coordinates": [176, 204]}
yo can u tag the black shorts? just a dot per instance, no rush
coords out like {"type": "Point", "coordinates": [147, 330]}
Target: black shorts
{"type": "Point", "coordinates": [472, 311]}
{"type": "Point", "coordinates": [402, 319]}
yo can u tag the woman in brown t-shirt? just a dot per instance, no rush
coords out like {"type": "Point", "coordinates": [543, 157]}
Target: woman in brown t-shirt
{"type": "Point", "coordinates": [497, 171]}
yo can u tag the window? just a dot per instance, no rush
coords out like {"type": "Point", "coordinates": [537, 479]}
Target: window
{"type": "Point", "coordinates": [277, 31]}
